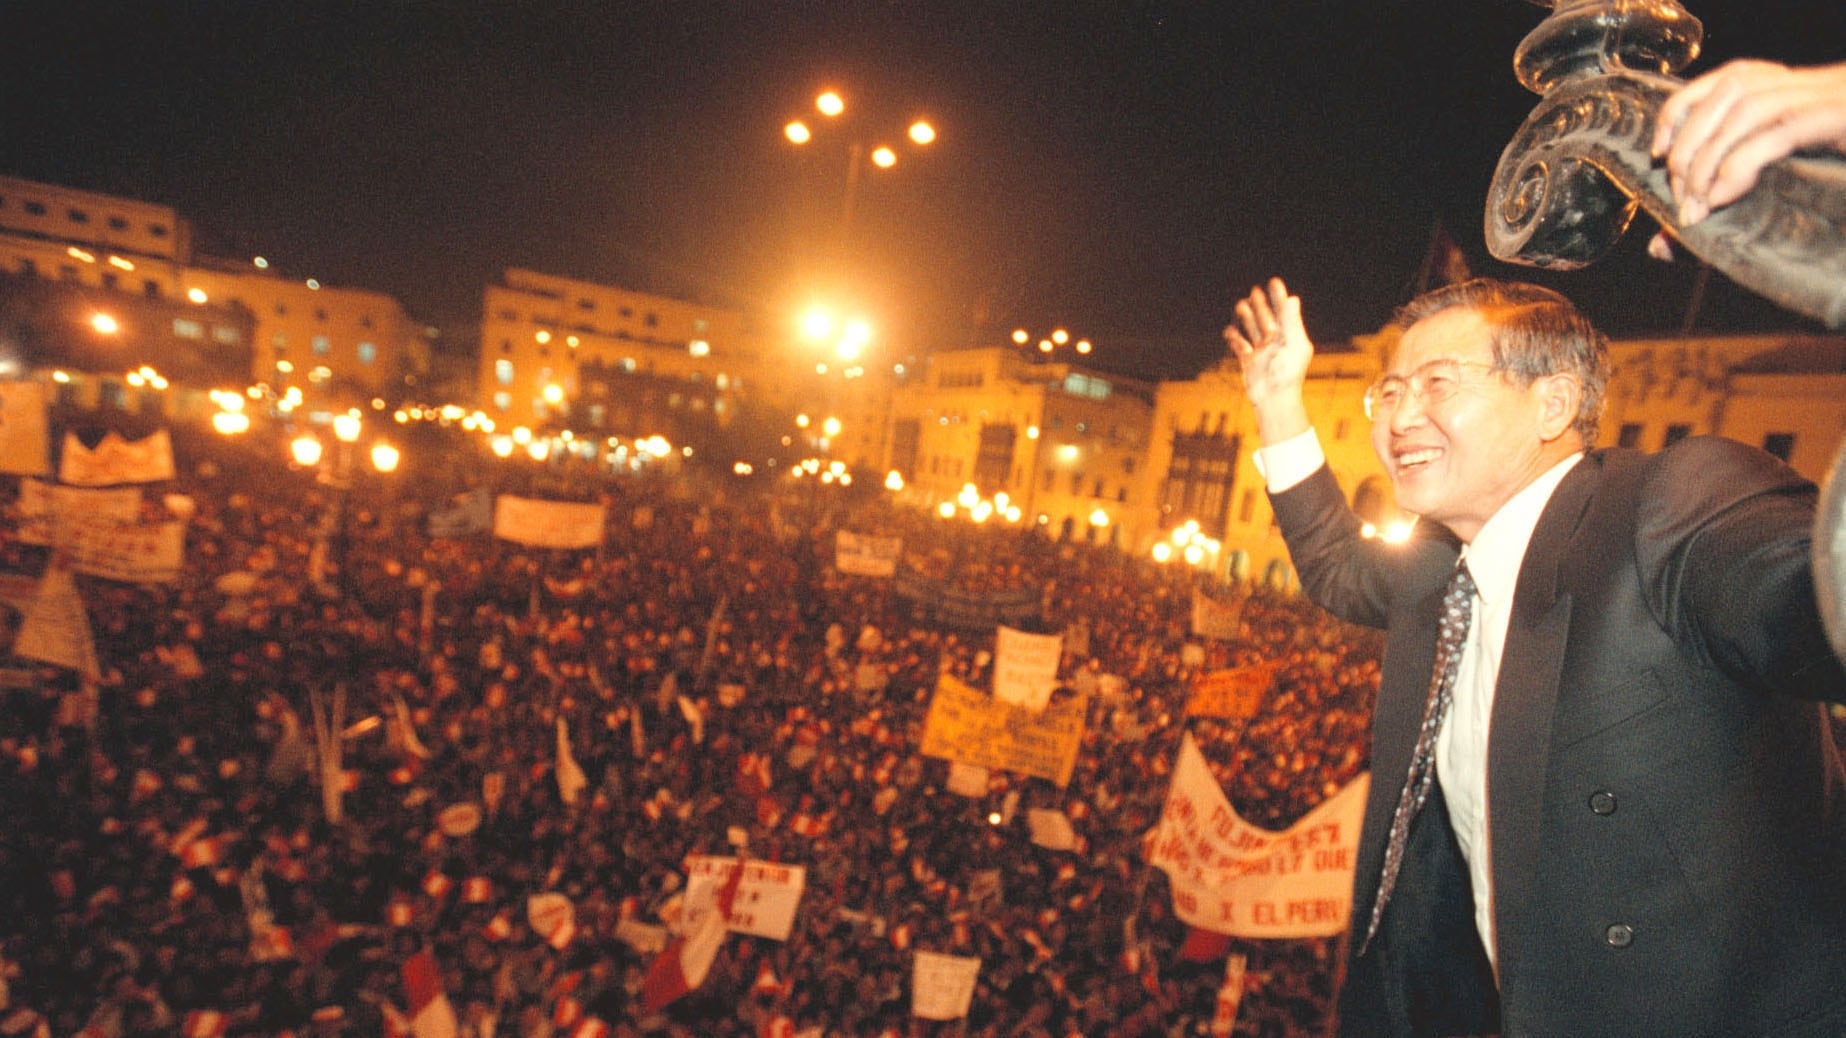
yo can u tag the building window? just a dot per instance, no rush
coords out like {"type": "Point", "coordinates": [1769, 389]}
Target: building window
{"type": "Point", "coordinates": [1630, 436]}
{"type": "Point", "coordinates": [28, 268]}
{"type": "Point", "coordinates": [280, 342]}
{"type": "Point", "coordinates": [503, 400]}
{"type": "Point", "coordinates": [652, 320]}
{"type": "Point", "coordinates": [368, 352]}
{"type": "Point", "coordinates": [1782, 445]}
{"type": "Point", "coordinates": [322, 345]}
{"type": "Point", "coordinates": [1676, 433]}
{"type": "Point", "coordinates": [226, 334]}
{"type": "Point", "coordinates": [150, 288]}
{"type": "Point", "coordinates": [281, 309]}
{"type": "Point", "coordinates": [187, 329]}
{"type": "Point", "coordinates": [158, 230]}
{"type": "Point", "coordinates": [503, 371]}
{"type": "Point", "coordinates": [79, 216]}
{"type": "Point", "coordinates": [116, 223]}
{"type": "Point", "coordinates": [586, 304]}
{"type": "Point", "coordinates": [1246, 508]}
{"type": "Point", "coordinates": [35, 209]}
{"type": "Point", "coordinates": [109, 279]}
{"type": "Point", "coordinates": [1200, 478]}
{"type": "Point", "coordinates": [320, 314]}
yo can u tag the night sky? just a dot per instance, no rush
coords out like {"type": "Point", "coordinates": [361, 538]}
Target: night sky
{"type": "Point", "coordinates": [1123, 169]}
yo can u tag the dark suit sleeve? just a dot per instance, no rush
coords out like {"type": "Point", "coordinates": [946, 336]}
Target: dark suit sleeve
{"type": "Point", "coordinates": [1355, 579]}
{"type": "Point", "coordinates": [1723, 541]}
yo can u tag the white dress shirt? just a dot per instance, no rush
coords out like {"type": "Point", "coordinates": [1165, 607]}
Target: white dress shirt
{"type": "Point", "coordinates": [1493, 558]}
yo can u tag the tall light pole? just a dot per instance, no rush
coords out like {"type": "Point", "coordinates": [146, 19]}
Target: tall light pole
{"type": "Point", "coordinates": [832, 106]}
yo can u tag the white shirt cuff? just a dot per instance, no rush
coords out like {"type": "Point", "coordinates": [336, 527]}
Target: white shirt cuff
{"type": "Point", "coordinates": [1285, 464]}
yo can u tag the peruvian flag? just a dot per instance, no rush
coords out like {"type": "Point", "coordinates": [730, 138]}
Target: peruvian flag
{"type": "Point", "coordinates": [431, 1015]}
{"type": "Point", "coordinates": [682, 965]}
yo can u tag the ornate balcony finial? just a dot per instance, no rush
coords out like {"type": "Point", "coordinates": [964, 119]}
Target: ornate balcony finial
{"type": "Point", "coordinates": [1576, 172]}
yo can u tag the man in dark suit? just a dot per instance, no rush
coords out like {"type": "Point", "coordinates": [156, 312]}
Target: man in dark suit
{"type": "Point", "coordinates": [1606, 799]}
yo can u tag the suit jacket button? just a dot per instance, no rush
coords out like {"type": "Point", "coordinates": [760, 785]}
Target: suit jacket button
{"type": "Point", "coordinates": [1602, 802]}
{"type": "Point", "coordinates": [1620, 935]}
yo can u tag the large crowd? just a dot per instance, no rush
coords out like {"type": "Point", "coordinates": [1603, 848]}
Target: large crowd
{"type": "Point", "coordinates": [170, 861]}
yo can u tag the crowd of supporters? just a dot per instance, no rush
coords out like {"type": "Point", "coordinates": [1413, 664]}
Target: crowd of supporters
{"type": "Point", "coordinates": [168, 863]}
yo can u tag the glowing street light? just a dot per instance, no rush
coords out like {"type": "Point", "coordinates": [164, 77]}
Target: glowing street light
{"type": "Point", "coordinates": [385, 457]}
{"type": "Point", "coordinates": [104, 324]}
{"type": "Point", "coordinates": [306, 451]}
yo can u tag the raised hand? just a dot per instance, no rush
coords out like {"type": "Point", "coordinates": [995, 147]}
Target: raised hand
{"type": "Point", "coordinates": [1273, 350]}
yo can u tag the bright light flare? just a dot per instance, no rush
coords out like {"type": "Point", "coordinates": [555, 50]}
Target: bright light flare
{"type": "Point", "coordinates": [883, 157]}
{"type": "Point", "coordinates": [385, 457]}
{"type": "Point", "coordinates": [306, 451]}
{"type": "Point", "coordinates": [104, 324]}
{"type": "Point", "coordinates": [830, 104]}
{"type": "Point", "coordinates": [922, 132]}
{"type": "Point", "coordinates": [797, 132]}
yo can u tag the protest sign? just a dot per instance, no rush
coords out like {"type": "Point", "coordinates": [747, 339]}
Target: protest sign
{"type": "Point", "coordinates": [1231, 877]}
{"type": "Point", "coordinates": [967, 725]}
{"type": "Point", "coordinates": [768, 895]}
{"type": "Point", "coordinates": [866, 556]}
{"type": "Point", "coordinates": [547, 524]}
{"type": "Point", "coordinates": [116, 460]}
{"type": "Point", "coordinates": [1026, 667]}
{"type": "Point", "coordinates": [942, 986]}
{"type": "Point", "coordinates": [1233, 694]}
{"type": "Point", "coordinates": [1211, 619]}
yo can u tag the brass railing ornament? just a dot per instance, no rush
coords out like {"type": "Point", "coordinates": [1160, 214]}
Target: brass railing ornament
{"type": "Point", "coordinates": [1572, 178]}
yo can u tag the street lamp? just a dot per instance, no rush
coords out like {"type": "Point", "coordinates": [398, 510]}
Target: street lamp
{"type": "Point", "coordinates": [832, 106]}
{"type": "Point", "coordinates": [1057, 339]}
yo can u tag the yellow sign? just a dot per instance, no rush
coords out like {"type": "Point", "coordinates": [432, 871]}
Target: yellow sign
{"type": "Point", "coordinates": [1234, 694]}
{"type": "Point", "coordinates": [969, 726]}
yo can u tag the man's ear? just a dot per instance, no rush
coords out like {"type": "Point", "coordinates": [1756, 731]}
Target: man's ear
{"type": "Point", "coordinates": [1560, 395]}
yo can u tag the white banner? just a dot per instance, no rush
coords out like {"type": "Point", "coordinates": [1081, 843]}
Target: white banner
{"type": "Point", "coordinates": [44, 507]}
{"type": "Point", "coordinates": [1026, 667]}
{"type": "Point", "coordinates": [56, 630]}
{"type": "Point", "coordinates": [767, 896]}
{"type": "Point", "coordinates": [141, 553]}
{"type": "Point", "coordinates": [866, 556]}
{"type": "Point", "coordinates": [116, 460]}
{"type": "Point", "coordinates": [25, 434]}
{"type": "Point", "coordinates": [1231, 877]}
{"type": "Point", "coordinates": [942, 986]}
{"type": "Point", "coordinates": [547, 524]}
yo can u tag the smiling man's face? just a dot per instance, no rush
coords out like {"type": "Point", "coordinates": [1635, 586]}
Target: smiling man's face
{"type": "Point", "coordinates": [1458, 451]}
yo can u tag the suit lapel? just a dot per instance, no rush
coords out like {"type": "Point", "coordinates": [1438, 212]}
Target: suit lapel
{"type": "Point", "coordinates": [1525, 697]}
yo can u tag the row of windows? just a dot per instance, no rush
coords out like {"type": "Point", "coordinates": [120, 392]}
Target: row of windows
{"type": "Point", "coordinates": [1780, 444]}
{"type": "Point", "coordinates": [186, 328]}
{"type": "Point", "coordinates": [626, 313]}
{"type": "Point", "coordinates": [367, 352]}
{"type": "Point", "coordinates": [32, 207]}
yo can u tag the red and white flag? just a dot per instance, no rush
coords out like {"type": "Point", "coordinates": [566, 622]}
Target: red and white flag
{"type": "Point", "coordinates": [431, 1015]}
{"type": "Point", "coordinates": [682, 965]}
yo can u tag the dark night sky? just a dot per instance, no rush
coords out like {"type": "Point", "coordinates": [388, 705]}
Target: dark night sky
{"type": "Point", "coordinates": [1126, 169]}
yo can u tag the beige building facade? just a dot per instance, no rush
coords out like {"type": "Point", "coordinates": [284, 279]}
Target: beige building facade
{"type": "Point", "coordinates": [132, 262]}
{"type": "Point", "coordinates": [1065, 445]}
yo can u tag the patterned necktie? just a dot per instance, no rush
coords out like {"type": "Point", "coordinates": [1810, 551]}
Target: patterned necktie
{"type": "Point", "coordinates": [1457, 610]}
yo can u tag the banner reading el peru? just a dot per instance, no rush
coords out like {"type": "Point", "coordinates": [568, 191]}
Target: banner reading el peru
{"type": "Point", "coordinates": [1231, 877]}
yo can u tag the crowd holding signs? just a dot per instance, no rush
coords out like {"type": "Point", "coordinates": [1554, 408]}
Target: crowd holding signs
{"type": "Point", "coordinates": [680, 782]}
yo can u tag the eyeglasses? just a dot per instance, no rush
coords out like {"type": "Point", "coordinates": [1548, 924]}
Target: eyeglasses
{"type": "Point", "coordinates": [1433, 383]}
